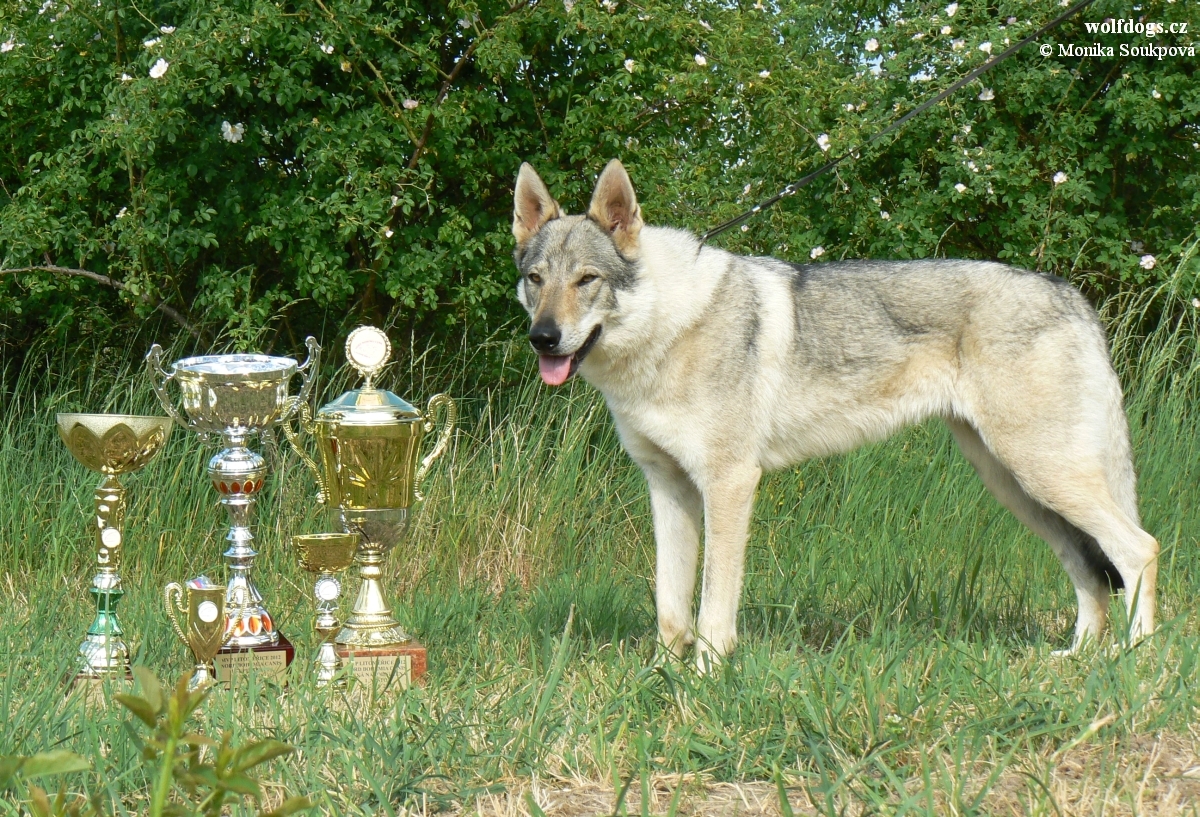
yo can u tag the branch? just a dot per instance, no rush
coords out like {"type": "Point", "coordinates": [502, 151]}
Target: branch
{"type": "Point", "coordinates": [161, 306]}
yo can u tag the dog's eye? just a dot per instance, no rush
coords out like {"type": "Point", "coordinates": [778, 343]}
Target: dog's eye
{"type": "Point", "coordinates": [534, 278]}
{"type": "Point", "coordinates": [587, 279]}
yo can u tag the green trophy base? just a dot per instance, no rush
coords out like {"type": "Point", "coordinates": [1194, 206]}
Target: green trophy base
{"type": "Point", "coordinates": [383, 668]}
{"type": "Point", "coordinates": [266, 663]}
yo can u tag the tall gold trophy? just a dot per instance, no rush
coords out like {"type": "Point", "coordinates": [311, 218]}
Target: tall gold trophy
{"type": "Point", "coordinates": [112, 444]}
{"type": "Point", "coordinates": [368, 441]}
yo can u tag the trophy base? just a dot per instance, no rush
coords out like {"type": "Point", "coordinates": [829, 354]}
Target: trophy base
{"type": "Point", "coordinates": [268, 663]}
{"type": "Point", "coordinates": [383, 668]}
{"type": "Point", "coordinates": [95, 689]}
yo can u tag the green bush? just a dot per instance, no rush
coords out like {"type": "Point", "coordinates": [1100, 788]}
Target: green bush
{"type": "Point", "coordinates": [366, 166]}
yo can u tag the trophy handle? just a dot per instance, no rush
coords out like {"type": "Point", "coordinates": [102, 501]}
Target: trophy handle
{"type": "Point", "coordinates": [173, 596]}
{"type": "Point", "coordinates": [449, 415]}
{"type": "Point", "coordinates": [154, 365]}
{"type": "Point", "coordinates": [308, 371]}
{"type": "Point", "coordinates": [304, 417]}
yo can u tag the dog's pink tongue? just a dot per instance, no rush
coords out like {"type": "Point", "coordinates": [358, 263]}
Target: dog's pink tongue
{"type": "Point", "coordinates": [555, 368]}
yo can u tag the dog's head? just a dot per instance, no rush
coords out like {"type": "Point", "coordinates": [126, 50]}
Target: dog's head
{"type": "Point", "coordinates": [572, 267]}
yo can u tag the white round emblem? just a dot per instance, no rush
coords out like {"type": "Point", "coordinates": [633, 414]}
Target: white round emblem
{"type": "Point", "coordinates": [327, 589]}
{"type": "Point", "coordinates": [110, 537]}
{"type": "Point", "coordinates": [207, 611]}
{"type": "Point", "coordinates": [368, 349]}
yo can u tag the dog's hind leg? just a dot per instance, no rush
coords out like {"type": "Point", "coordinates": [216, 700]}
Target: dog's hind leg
{"type": "Point", "coordinates": [1093, 575]}
{"type": "Point", "coordinates": [676, 506]}
{"type": "Point", "coordinates": [728, 503]}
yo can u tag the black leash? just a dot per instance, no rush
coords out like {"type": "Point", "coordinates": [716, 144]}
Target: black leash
{"type": "Point", "coordinates": [924, 106]}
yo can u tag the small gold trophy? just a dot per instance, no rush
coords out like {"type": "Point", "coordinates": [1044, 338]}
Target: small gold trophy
{"type": "Point", "coordinates": [326, 554]}
{"type": "Point", "coordinates": [112, 444]}
{"type": "Point", "coordinates": [368, 441]}
{"type": "Point", "coordinates": [205, 629]}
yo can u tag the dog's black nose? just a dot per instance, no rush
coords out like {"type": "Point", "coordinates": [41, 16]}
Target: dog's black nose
{"type": "Point", "coordinates": [544, 337]}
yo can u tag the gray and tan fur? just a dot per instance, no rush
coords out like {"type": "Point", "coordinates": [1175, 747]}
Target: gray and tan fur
{"type": "Point", "coordinates": [717, 367]}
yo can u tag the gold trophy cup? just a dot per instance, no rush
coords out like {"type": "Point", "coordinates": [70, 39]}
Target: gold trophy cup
{"type": "Point", "coordinates": [204, 630]}
{"type": "Point", "coordinates": [111, 444]}
{"type": "Point", "coordinates": [326, 554]}
{"type": "Point", "coordinates": [368, 441]}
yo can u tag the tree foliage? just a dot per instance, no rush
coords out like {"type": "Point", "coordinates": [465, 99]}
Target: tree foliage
{"type": "Point", "coordinates": [251, 165]}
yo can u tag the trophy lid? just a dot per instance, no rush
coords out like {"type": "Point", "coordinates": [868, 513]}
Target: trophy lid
{"type": "Point", "coordinates": [368, 350]}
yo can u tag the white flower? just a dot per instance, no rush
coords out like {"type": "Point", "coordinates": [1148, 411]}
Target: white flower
{"type": "Point", "coordinates": [701, 60]}
{"type": "Point", "coordinates": [568, 5]}
{"type": "Point", "coordinates": [1147, 262]}
{"type": "Point", "coordinates": [972, 167]}
{"type": "Point", "coordinates": [126, 78]}
{"type": "Point", "coordinates": [816, 252]}
{"type": "Point", "coordinates": [463, 22]}
{"type": "Point", "coordinates": [609, 5]}
{"type": "Point", "coordinates": [960, 187]}
{"type": "Point", "coordinates": [985, 47]}
{"type": "Point", "coordinates": [153, 42]}
{"type": "Point", "coordinates": [952, 9]}
{"type": "Point", "coordinates": [1011, 21]}
{"type": "Point", "coordinates": [823, 141]}
{"type": "Point", "coordinates": [327, 48]}
{"type": "Point", "coordinates": [232, 133]}
{"type": "Point", "coordinates": [745, 228]}
{"type": "Point", "coordinates": [395, 200]}
{"type": "Point", "coordinates": [1196, 302]}
{"type": "Point", "coordinates": [1060, 177]}
{"type": "Point", "coordinates": [629, 65]}
{"type": "Point", "coordinates": [1065, 3]}
{"type": "Point", "coordinates": [758, 6]}
{"type": "Point", "coordinates": [388, 233]}
{"type": "Point", "coordinates": [746, 190]}
{"type": "Point", "coordinates": [958, 45]}
{"type": "Point", "coordinates": [990, 190]}
{"type": "Point", "coordinates": [872, 44]}
{"type": "Point", "coordinates": [966, 128]}
{"type": "Point", "coordinates": [159, 68]}
{"type": "Point", "coordinates": [45, 6]}
{"type": "Point", "coordinates": [167, 29]}
{"type": "Point", "coordinates": [409, 104]}
{"type": "Point", "coordinates": [5, 47]}
{"type": "Point", "coordinates": [849, 106]}
{"type": "Point", "coordinates": [946, 30]}
{"type": "Point", "coordinates": [346, 66]}
{"type": "Point", "coordinates": [764, 73]}
{"type": "Point", "coordinates": [987, 95]}
{"type": "Point", "coordinates": [1156, 94]}
{"type": "Point", "coordinates": [706, 25]}
{"type": "Point", "coordinates": [885, 215]}
{"type": "Point", "coordinates": [121, 213]}
{"type": "Point", "coordinates": [920, 35]}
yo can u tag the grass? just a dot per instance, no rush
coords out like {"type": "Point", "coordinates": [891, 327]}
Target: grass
{"type": "Point", "coordinates": [896, 625]}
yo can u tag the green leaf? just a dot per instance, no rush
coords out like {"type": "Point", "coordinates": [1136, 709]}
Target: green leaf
{"type": "Point", "coordinates": [140, 707]}
{"type": "Point", "coordinates": [242, 784]}
{"type": "Point", "coordinates": [39, 802]}
{"type": "Point", "coordinates": [292, 805]}
{"type": "Point", "coordinates": [151, 689]}
{"type": "Point", "coordinates": [253, 754]}
{"type": "Point", "coordinates": [59, 761]}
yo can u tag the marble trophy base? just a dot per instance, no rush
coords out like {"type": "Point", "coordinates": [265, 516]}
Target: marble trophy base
{"type": "Point", "coordinates": [97, 690]}
{"type": "Point", "coordinates": [269, 662]}
{"type": "Point", "coordinates": [382, 668]}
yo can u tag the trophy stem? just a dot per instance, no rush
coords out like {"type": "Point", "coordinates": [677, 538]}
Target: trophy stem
{"type": "Point", "coordinates": [238, 474]}
{"type": "Point", "coordinates": [103, 651]}
{"type": "Point", "coordinates": [326, 626]}
{"type": "Point", "coordinates": [371, 623]}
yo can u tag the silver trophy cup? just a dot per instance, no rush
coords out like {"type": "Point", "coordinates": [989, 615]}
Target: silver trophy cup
{"type": "Point", "coordinates": [236, 397]}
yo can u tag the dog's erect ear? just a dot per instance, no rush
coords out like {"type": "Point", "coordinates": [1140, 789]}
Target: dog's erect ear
{"type": "Point", "coordinates": [614, 207]}
{"type": "Point", "coordinates": [533, 205]}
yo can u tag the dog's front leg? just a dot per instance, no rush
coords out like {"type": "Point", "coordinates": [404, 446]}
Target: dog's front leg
{"type": "Point", "coordinates": [676, 506]}
{"type": "Point", "coordinates": [728, 502]}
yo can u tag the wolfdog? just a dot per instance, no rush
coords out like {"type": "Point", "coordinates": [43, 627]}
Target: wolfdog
{"type": "Point", "coordinates": [717, 367]}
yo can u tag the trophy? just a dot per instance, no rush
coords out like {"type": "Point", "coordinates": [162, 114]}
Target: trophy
{"type": "Point", "coordinates": [112, 444]}
{"type": "Point", "coordinates": [205, 629]}
{"type": "Point", "coordinates": [235, 397]}
{"type": "Point", "coordinates": [368, 442]}
{"type": "Point", "coordinates": [326, 554]}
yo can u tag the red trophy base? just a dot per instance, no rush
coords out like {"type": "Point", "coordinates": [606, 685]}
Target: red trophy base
{"type": "Point", "coordinates": [383, 668]}
{"type": "Point", "coordinates": [267, 663]}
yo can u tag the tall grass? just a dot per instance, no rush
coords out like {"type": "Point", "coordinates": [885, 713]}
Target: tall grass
{"type": "Point", "coordinates": [896, 625]}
